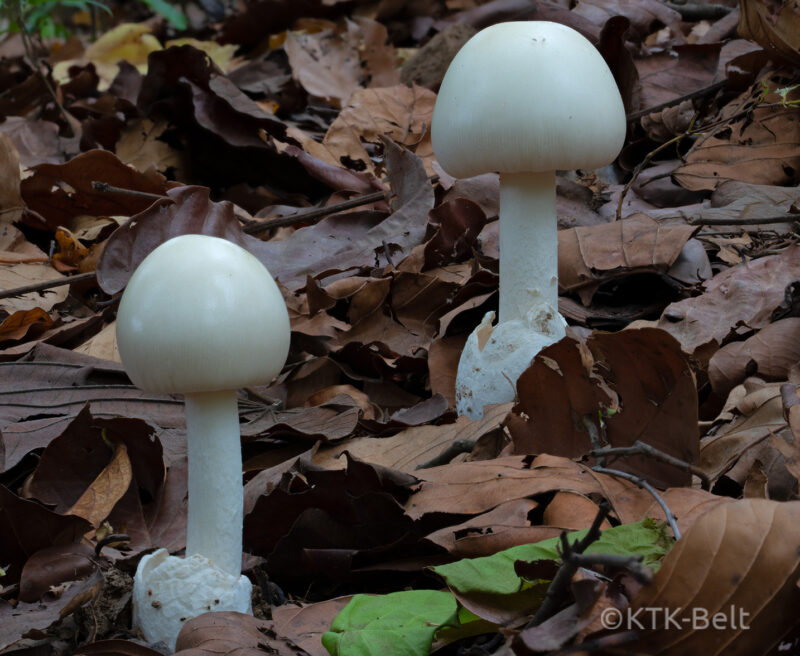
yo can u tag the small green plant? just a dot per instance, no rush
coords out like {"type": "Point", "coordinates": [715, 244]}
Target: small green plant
{"type": "Point", "coordinates": [35, 17]}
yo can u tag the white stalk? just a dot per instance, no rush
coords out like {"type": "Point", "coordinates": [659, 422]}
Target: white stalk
{"type": "Point", "coordinates": [528, 243]}
{"type": "Point", "coordinates": [216, 494]}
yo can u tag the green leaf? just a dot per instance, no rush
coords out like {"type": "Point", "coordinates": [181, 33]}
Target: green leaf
{"type": "Point", "coordinates": [174, 15]}
{"type": "Point", "coordinates": [397, 624]}
{"type": "Point", "coordinates": [494, 575]}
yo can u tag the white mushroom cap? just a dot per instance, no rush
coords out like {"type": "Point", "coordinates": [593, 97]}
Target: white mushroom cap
{"type": "Point", "coordinates": [525, 97]}
{"type": "Point", "coordinates": [201, 314]}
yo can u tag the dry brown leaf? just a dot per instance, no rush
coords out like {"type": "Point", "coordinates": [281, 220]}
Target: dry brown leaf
{"type": "Point", "coordinates": [17, 325]}
{"type": "Point", "coordinates": [476, 487]}
{"type": "Point", "coordinates": [103, 345]}
{"type": "Point", "coordinates": [20, 275]}
{"type": "Point", "coordinates": [761, 147]}
{"type": "Point", "coordinates": [414, 446]}
{"type": "Point", "coordinates": [11, 204]}
{"type": "Point", "coordinates": [568, 382]}
{"type": "Point", "coordinates": [571, 511]}
{"type": "Point", "coordinates": [589, 256]}
{"type": "Point", "coordinates": [769, 354]}
{"type": "Point", "coordinates": [745, 294]}
{"type": "Point", "coordinates": [775, 27]}
{"type": "Point", "coordinates": [229, 632]}
{"type": "Point", "coordinates": [740, 560]}
{"type": "Point", "coordinates": [305, 625]}
{"type": "Point", "coordinates": [402, 113]}
{"type": "Point", "coordinates": [99, 499]}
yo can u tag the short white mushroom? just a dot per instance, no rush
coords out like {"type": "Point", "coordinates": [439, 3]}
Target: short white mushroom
{"type": "Point", "coordinates": [523, 99]}
{"type": "Point", "coordinates": [202, 317]}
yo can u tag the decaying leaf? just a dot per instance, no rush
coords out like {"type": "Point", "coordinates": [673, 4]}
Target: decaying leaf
{"type": "Point", "coordinates": [738, 567]}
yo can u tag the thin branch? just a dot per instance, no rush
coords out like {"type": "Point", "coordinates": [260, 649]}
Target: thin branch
{"type": "Point", "coordinates": [760, 220]}
{"type": "Point", "coordinates": [559, 586]}
{"type": "Point", "coordinates": [642, 573]}
{"type": "Point", "coordinates": [46, 284]}
{"type": "Point", "coordinates": [639, 481]}
{"type": "Point", "coordinates": [639, 448]}
{"type": "Point", "coordinates": [698, 93]}
{"type": "Point", "coordinates": [110, 189]}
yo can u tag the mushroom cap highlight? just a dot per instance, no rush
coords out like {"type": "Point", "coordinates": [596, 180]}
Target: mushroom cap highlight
{"type": "Point", "coordinates": [201, 314]}
{"type": "Point", "coordinates": [527, 96]}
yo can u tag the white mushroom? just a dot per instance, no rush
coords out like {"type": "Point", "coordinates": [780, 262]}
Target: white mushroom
{"type": "Point", "coordinates": [523, 99]}
{"type": "Point", "coordinates": [202, 317]}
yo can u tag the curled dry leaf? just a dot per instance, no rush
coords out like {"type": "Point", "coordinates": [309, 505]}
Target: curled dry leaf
{"type": "Point", "coordinates": [769, 354]}
{"type": "Point", "coordinates": [739, 560]}
{"type": "Point", "coordinates": [760, 147]}
{"type": "Point", "coordinates": [744, 294]}
{"type": "Point", "coordinates": [568, 382]}
{"type": "Point", "coordinates": [229, 632]}
{"type": "Point", "coordinates": [775, 28]}
{"type": "Point", "coordinates": [589, 256]}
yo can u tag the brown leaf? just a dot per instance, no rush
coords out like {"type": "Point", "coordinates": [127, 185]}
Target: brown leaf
{"type": "Point", "coordinates": [740, 560]}
{"type": "Point", "coordinates": [476, 487]}
{"type": "Point", "coordinates": [760, 147]}
{"type": "Point", "coordinates": [116, 647]}
{"type": "Point", "coordinates": [21, 275]}
{"type": "Point", "coordinates": [732, 448]}
{"type": "Point", "coordinates": [745, 294]}
{"type": "Point", "coordinates": [18, 325]}
{"type": "Point", "coordinates": [51, 566]}
{"type": "Point", "coordinates": [59, 192]}
{"type": "Point", "coordinates": [99, 499]}
{"type": "Point", "coordinates": [589, 256]}
{"type": "Point", "coordinates": [568, 382]}
{"type": "Point", "coordinates": [305, 625]}
{"type": "Point", "coordinates": [231, 632]}
{"type": "Point", "coordinates": [412, 447]}
{"type": "Point", "coordinates": [27, 526]}
{"type": "Point", "coordinates": [769, 354]}
{"type": "Point", "coordinates": [185, 210]}
{"type": "Point", "coordinates": [775, 28]}
{"type": "Point", "coordinates": [664, 77]}
{"type": "Point", "coordinates": [401, 113]}
{"type": "Point", "coordinates": [11, 204]}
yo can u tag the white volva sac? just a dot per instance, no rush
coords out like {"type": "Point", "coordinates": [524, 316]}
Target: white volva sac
{"type": "Point", "coordinates": [202, 317]}
{"type": "Point", "coordinates": [523, 99]}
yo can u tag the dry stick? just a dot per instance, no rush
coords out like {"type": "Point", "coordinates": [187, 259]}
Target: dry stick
{"type": "Point", "coordinates": [559, 586]}
{"type": "Point", "coordinates": [46, 284]}
{"type": "Point", "coordinates": [642, 573]}
{"type": "Point", "coordinates": [698, 93]}
{"type": "Point", "coordinates": [673, 525]}
{"type": "Point", "coordinates": [761, 220]}
{"type": "Point", "coordinates": [252, 228]}
{"type": "Point", "coordinates": [639, 448]}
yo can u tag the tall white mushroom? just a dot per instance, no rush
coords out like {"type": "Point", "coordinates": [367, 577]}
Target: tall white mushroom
{"type": "Point", "coordinates": [202, 317]}
{"type": "Point", "coordinates": [523, 99]}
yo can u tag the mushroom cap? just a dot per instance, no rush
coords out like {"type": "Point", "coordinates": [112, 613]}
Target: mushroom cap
{"type": "Point", "coordinates": [527, 96]}
{"type": "Point", "coordinates": [201, 314]}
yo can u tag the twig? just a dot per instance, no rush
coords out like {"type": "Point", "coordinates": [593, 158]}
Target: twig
{"type": "Point", "coordinates": [559, 586]}
{"type": "Point", "coordinates": [698, 93]}
{"type": "Point", "coordinates": [46, 284]}
{"type": "Point", "coordinates": [639, 481]}
{"type": "Point", "coordinates": [114, 537]}
{"type": "Point", "coordinates": [639, 448]}
{"type": "Point", "coordinates": [110, 189]}
{"type": "Point", "coordinates": [760, 220]}
{"type": "Point", "coordinates": [642, 573]}
{"type": "Point", "coordinates": [31, 54]}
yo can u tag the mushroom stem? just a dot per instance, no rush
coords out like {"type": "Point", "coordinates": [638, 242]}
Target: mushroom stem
{"type": "Point", "coordinates": [528, 243]}
{"type": "Point", "coordinates": [216, 494]}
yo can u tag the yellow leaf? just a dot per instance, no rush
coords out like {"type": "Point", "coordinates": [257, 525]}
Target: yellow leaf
{"type": "Point", "coordinates": [99, 499]}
